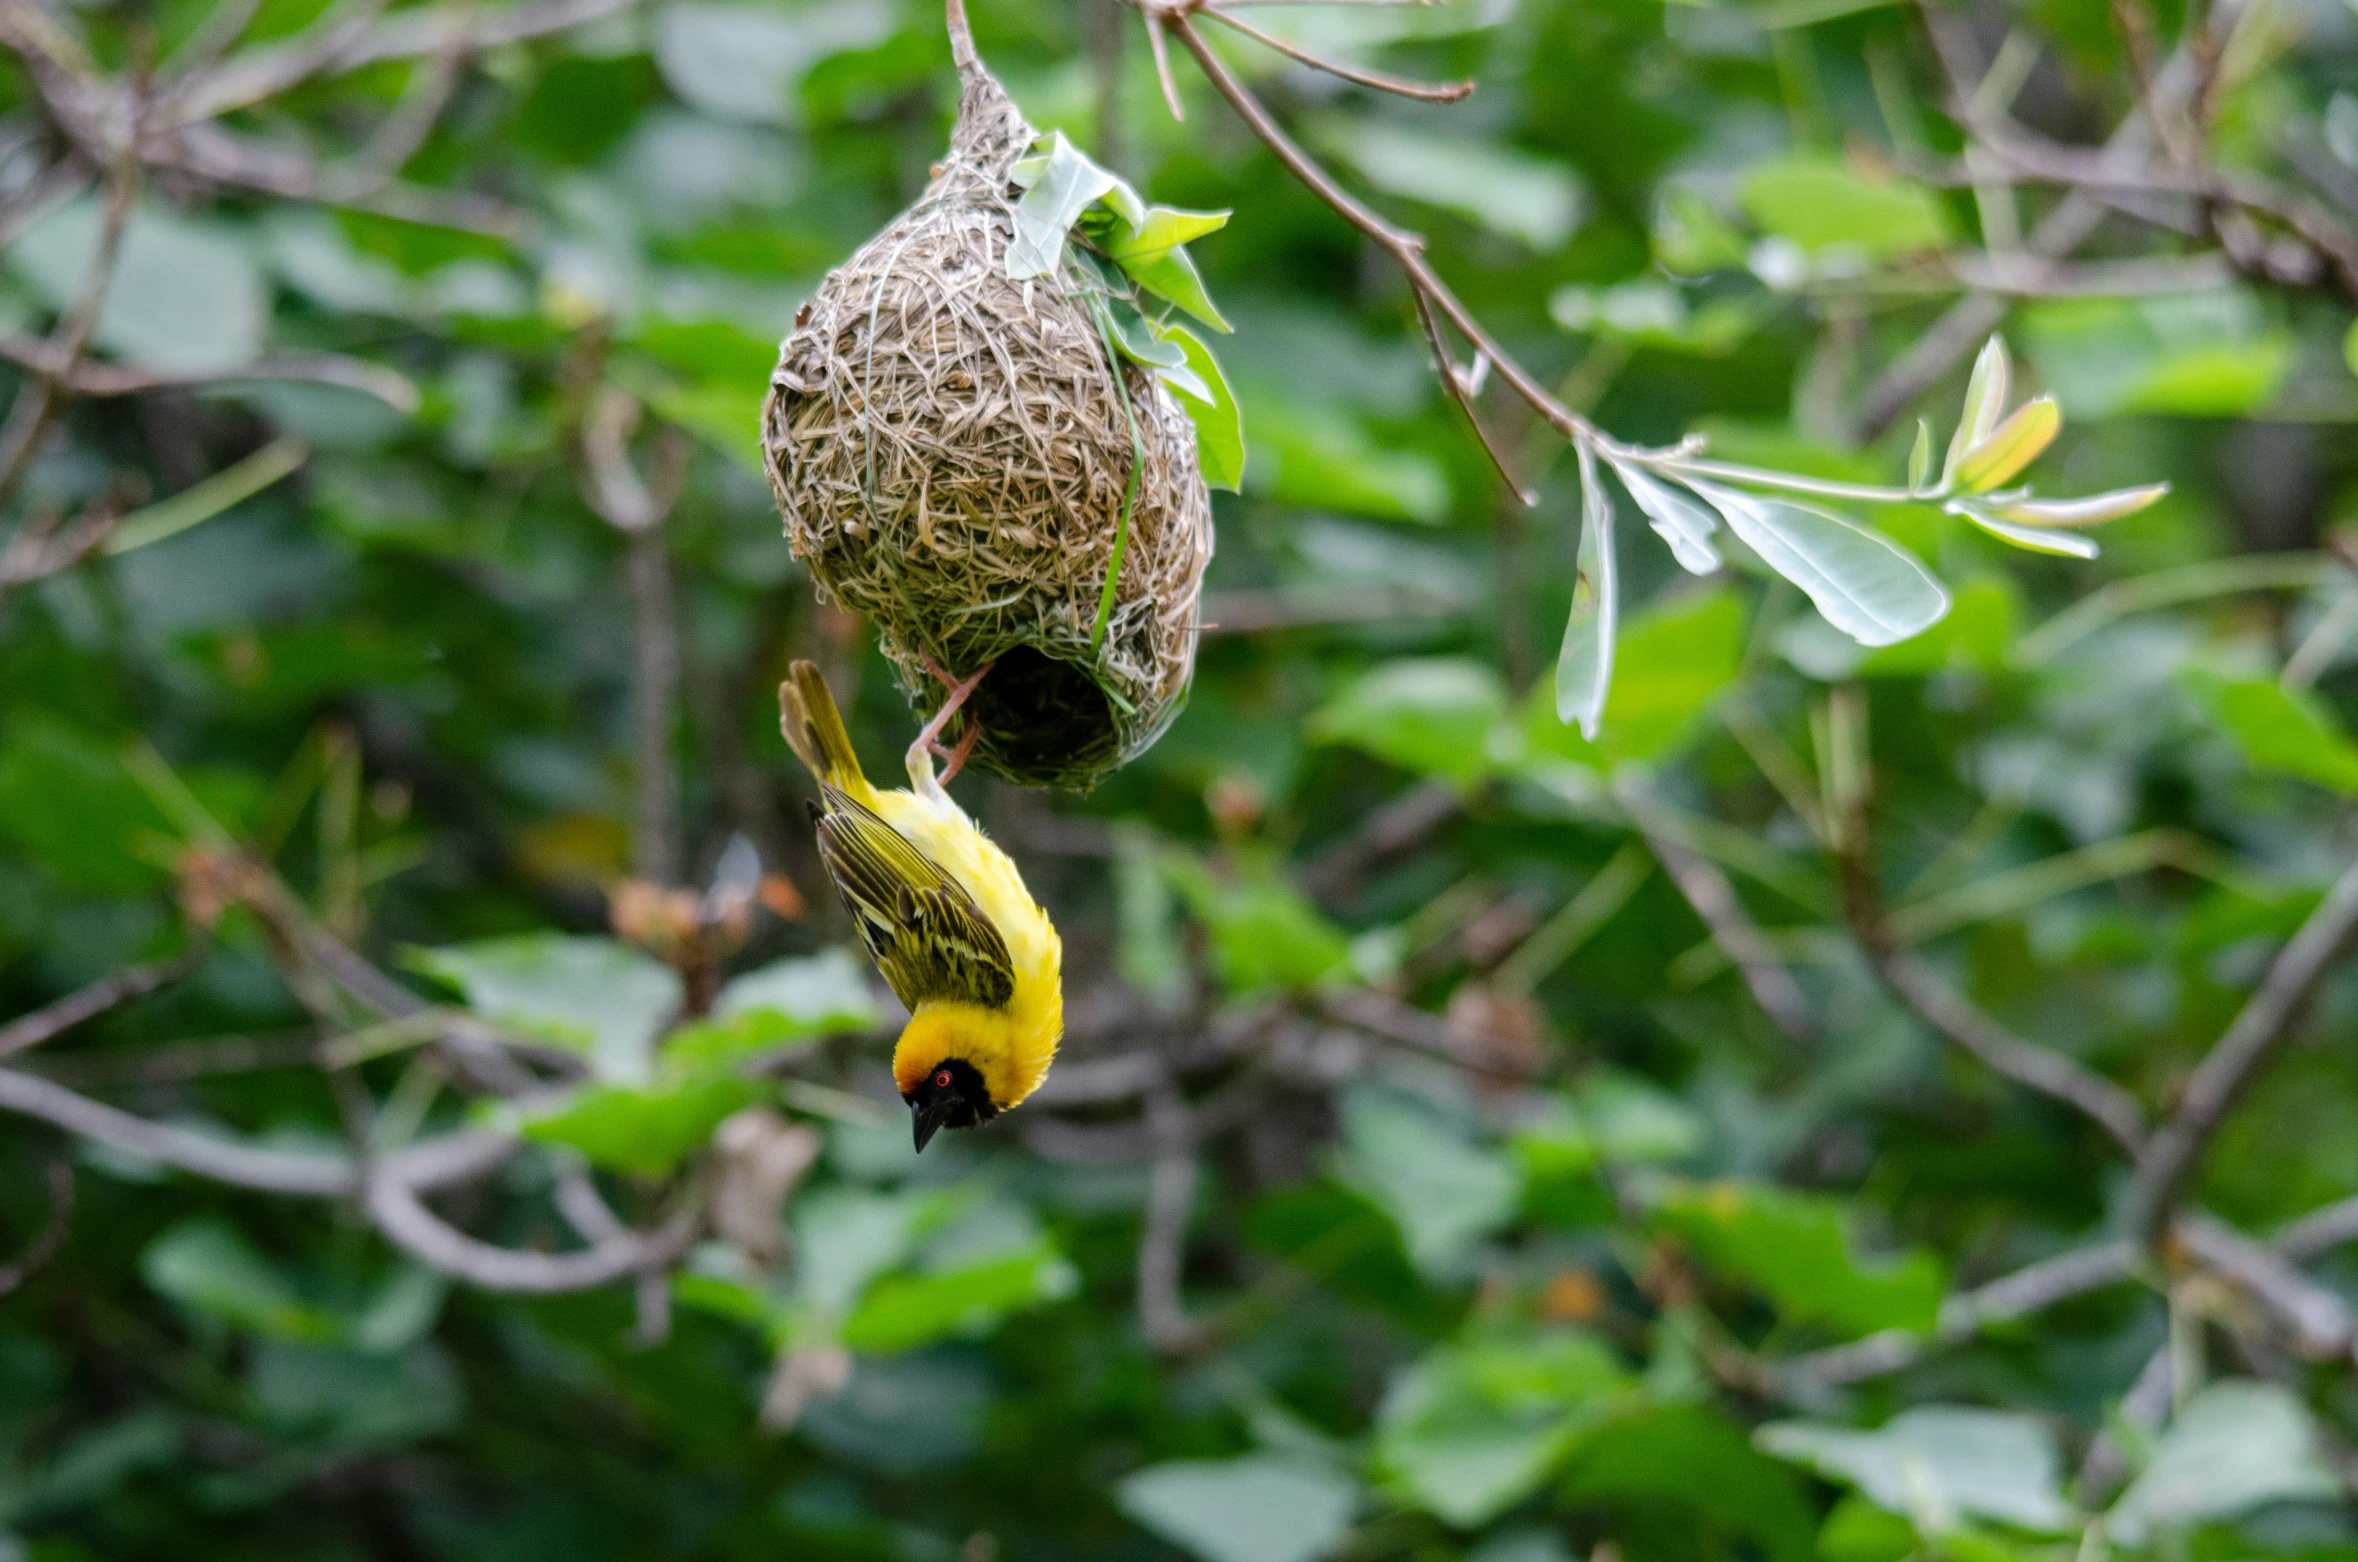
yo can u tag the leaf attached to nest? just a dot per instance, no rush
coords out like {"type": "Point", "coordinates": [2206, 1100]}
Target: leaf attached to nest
{"type": "Point", "coordinates": [1219, 425]}
{"type": "Point", "coordinates": [1065, 184]}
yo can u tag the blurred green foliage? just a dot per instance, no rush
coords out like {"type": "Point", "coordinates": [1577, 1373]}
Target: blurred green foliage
{"type": "Point", "coordinates": [1521, 1283]}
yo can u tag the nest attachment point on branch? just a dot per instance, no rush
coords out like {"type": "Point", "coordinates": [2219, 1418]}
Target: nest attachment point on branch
{"type": "Point", "coordinates": [951, 454]}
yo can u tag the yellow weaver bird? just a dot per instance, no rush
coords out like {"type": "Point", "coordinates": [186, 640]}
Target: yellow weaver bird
{"type": "Point", "coordinates": [944, 914]}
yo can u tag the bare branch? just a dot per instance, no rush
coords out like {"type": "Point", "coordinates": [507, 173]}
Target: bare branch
{"type": "Point", "coordinates": [53, 1231]}
{"type": "Point", "coordinates": [1713, 898]}
{"type": "Point", "coordinates": [2318, 1232]}
{"type": "Point", "coordinates": [1162, 1245]}
{"type": "Point", "coordinates": [111, 379]}
{"type": "Point", "coordinates": [265, 73]}
{"type": "Point", "coordinates": [36, 404]}
{"type": "Point", "coordinates": [441, 1162]}
{"type": "Point", "coordinates": [137, 981]}
{"type": "Point", "coordinates": [406, 1222]}
{"type": "Point", "coordinates": [2030, 1289]}
{"type": "Point", "coordinates": [2239, 1056]}
{"type": "Point", "coordinates": [1422, 91]}
{"type": "Point", "coordinates": [2320, 1323]}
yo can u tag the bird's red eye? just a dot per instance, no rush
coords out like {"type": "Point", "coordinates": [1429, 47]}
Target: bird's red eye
{"type": "Point", "coordinates": [941, 1079]}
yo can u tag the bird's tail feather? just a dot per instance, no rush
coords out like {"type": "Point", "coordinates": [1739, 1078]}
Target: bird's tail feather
{"type": "Point", "coordinates": [814, 727]}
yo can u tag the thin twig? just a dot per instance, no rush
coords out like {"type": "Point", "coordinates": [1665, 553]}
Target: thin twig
{"type": "Point", "coordinates": [1713, 898]}
{"type": "Point", "coordinates": [115, 379]}
{"type": "Point", "coordinates": [405, 1220]}
{"type": "Point", "coordinates": [37, 403]}
{"type": "Point", "coordinates": [2258, 1033]}
{"type": "Point", "coordinates": [1162, 1244]}
{"type": "Point", "coordinates": [52, 1235]}
{"type": "Point", "coordinates": [1422, 91]}
{"type": "Point", "coordinates": [442, 1162]}
{"type": "Point", "coordinates": [137, 981]}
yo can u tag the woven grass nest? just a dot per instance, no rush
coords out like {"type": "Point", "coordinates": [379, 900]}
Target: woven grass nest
{"type": "Point", "coordinates": [951, 455]}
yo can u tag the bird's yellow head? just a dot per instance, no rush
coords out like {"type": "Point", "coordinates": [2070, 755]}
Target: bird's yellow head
{"type": "Point", "coordinates": [960, 1064]}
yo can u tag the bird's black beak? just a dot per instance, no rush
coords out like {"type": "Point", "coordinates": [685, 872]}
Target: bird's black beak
{"type": "Point", "coordinates": [927, 1117]}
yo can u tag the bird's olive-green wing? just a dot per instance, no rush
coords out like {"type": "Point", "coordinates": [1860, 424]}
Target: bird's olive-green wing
{"type": "Point", "coordinates": [922, 928]}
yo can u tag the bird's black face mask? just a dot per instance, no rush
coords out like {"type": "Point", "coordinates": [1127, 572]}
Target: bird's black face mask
{"type": "Point", "coordinates": [952, 1096]}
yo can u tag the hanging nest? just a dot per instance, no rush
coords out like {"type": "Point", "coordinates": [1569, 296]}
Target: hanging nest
{"type": "Point", "coordinates": [951, 454]}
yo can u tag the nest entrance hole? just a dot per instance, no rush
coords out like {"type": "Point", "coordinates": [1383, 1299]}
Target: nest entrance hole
{"type": "Point", "coordinates": [1040, 716]}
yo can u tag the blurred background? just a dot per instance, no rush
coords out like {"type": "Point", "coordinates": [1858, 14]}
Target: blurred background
{"type": "Point", "coordinates": [1863, 1105]}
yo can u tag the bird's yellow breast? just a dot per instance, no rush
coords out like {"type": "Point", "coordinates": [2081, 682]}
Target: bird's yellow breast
{"type": "Point", "coordinates": [1012, 1047]}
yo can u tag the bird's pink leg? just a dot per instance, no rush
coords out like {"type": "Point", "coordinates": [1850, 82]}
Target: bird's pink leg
{"type": "Point", "coordinates": [927, 740]}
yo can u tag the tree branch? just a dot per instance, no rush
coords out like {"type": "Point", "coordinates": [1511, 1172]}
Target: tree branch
{"type": "Point", "coordinates": [441, 1162]}
{"type": "Point", "coordinates": [1162, 1244]}
{"type": "Point", "coordinates": [406, 1222]}
{"type": "Point", "coordinates": [2237, 1059]}
{"type": "Point", "coordinates": [1713, 898]}
{"type": "Point", "coordinates": [137, 981]}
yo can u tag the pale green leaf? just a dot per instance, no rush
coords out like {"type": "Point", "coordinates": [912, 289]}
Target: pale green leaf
{"type": "Point", "coordinates": [2011, 446]}
{"type": "Point", "coordinates": [2037, 539]}
{"type": "Point", "coordinates": [596, 995]}
{"type": "Point", "coordinates": [1865, 585]}
{"type": "Point", "coordinates": [1985, 399]}
{"type": "Point", "coordinates": [1069, 183]}
{"type": "Point", "coordinates": [1920, 458]}
{"type": "Point", "coordinates": [1584, 668]}
{"type": "Point", "coordinates": [1535, 199]}
{"type": "Point", "coordinates": [184, 296]}
{"type": "Point", "coordinates": [2239, 1445]}
{"type": "Point", "coordinates": [1685, 523]}
{"type": "Point", "coordinates": [207, 1265]}
{"type": "Point", "coordinates": [1256, 1509]}
{"type": "Point", "coordinates": [2091, 511]}
{"type": "Point", "coordinates": [1820, 203]}
{"type": "Point", "coordinates": [1940, 1464]}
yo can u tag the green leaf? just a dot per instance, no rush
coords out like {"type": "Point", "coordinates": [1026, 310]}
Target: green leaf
{"type": "Point", "coordinates": [1535, 199]}
{"type": "Point", "coordinates": [2037, 539]}
{"type": "Point", "coordinates": [2239, 1445]}
{"type": "Point", "coordinates": [1693, 1461]}
{"type": "Point", "coordinates": [1673, 660]}
{"type": "Point", "coordinates": [1691, 238]}
{"type": "Point", "coordinates": [1584, 668]}
{"type": "Point", "coordinates": [1165, 229]}
{"type": "Point", "coordinates": [2350, 348]}
{"type": "Point", "coordinates": [1136, 337]}
{"type": "Point", "coordinates": [1985, 399]}
{"type": "Point", "coordinates": [1920, 458]}
{"type": "Point", "coordinates": [1685, 523]}
{"type": "Point", "coordinates": [596, 995]}
{"type": "Point", "coordinates": [2217, 354]}
{"type": "Point", "coordinates": [1794, 1248]}
{"type": "Point", "coordinates": [784, 1003]}
{"type": "Point", "coordinates": [1978, 632]}
{"type": "Point", "coordinates": [1067, 184]}
{"type": "Point", "coordinates": [1819, 203]}
{"type": "Point", "coordinates": [208, 1266]}
{"type": "Point", "coordinates": [68, 803]}
{"type": "Point", "coordinates": [1445, 1193]}
{"type": "Point", "coordinates": [1654, 313]}
{"type": "Point", "coordinates": [1256, 1509]}
{"type": "Point", "coordinates": [2286, 731]}
{"type": "Point", "coordinates": [1940, 1464]}
{"type": "Point", "coordinates": [1864, 584]}
{"type": "Point", "coordinates": [1477, 1425]}
{"type": "Point", "coordinates": [1432, 715]}
{"type": "Point", "coordinates": [1321, 459]}
{"type": "Point", "coordinates": [1265, 935]}
{"type": "Point", "coordinates": [903, 1312]}
{"type": "Point", "coordinates": [1172, 275]}
{"type": "Point", "coordinates": [185, 296]}
{"type": "Point", "coordinates": [643, 1129]}
{"type": "Point", "coordinates": [1219, 422]}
